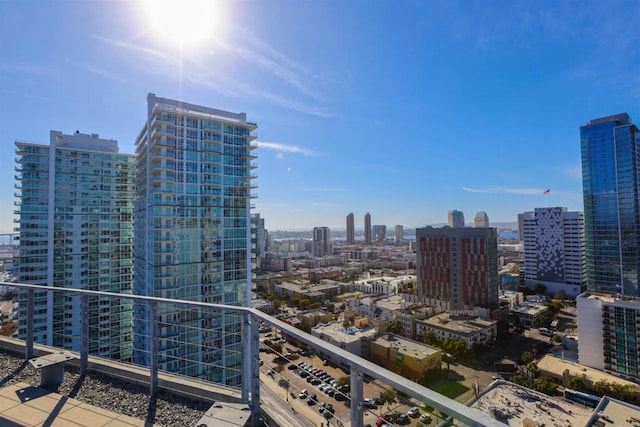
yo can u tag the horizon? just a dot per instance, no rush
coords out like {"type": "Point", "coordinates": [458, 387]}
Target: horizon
{"type": "Point", "coordinates": [402, 109]}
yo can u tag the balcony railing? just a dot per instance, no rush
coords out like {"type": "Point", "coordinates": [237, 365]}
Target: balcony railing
{"type": "Point", "coordinates": [190, 313]}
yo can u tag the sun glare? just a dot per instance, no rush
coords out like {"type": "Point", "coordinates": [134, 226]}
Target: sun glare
{"type": "Point", "coordinates": [183, 21]}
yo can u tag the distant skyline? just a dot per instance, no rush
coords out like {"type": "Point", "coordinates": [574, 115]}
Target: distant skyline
{"type": "Point", "coordinates": [403, 109]}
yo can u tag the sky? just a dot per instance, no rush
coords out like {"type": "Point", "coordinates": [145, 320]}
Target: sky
{"type": "Point", "coordinates": [404, 109]}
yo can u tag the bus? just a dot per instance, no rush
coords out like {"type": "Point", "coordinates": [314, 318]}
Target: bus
{"type": "Point", "coordinates": [582, 398]}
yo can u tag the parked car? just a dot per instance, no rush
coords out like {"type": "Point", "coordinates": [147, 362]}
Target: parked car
{"type": "Point", "coordinates": [312, 400]}
{"type": "Point", "coordinates": [315, 381]}
{"type": "Point", "coordinates": [413, 412]}
{"type": "Point", "coordinates": [402, 419]}
{"type": "Point", "coordinates": [303, 393]}
{"type": "Point", "coordinates": [425, 418]}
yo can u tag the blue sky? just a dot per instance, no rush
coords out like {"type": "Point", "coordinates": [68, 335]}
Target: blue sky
{"type": "Point", "coordinates": [404, 109]}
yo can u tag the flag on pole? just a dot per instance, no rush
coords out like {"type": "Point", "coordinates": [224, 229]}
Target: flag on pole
{"type": "Point", "coordinates": [476, 388]}
{"type": "Point", "coordinates": [547, 191]}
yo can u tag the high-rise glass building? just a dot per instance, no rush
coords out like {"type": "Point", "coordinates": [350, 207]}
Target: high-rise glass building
{"type": "Point", "coordinates": [455, 218]}
{"type": "Point", "coordinates": [192, 227]}
{"type": "Point", "coordinates": [379, 233]}
{"type": "Point", "coordinates": [367, 228]}
{"type": "Point", "coordinates": [351, 235]}
{"type": "Point", "coordinates": [75, 208]}
{"type": "Point", "coordinates": [398, 234]}
{"type": "Point", "coordinates": [610, 148]}
{"type": "Point", "coordinates": [321, 243]}
{"type": "Point", "coordinates": [259, 238]}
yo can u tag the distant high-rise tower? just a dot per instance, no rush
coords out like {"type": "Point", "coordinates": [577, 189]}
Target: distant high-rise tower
{"type": "Point", "coordinates": [367, 228]}
{"type": "Point", "coordinates": [457, 267]}
{"type": "Point", "coordinates": [321, 244]}
{"type": "Point", "coordinates": [554, 250]}
{"type": "Point", "coordinates": [456, 218]}
{"type": "Point", "coordinates": [76, 231]}
{"type": "Point", "coordinates": [379, 233]}
{"type": "Point", "coordinates": [399, 234]}
{"type": "Point", "coordinates": [193, 241]}
{"type": "Point", "coordinates": [610, 149]}
{"type": "Point", "coordinates": [520, 227]}
{"type": "Point", "coordinates": [351, 235]}
{"type": "Point", "coordinates": [259, 237]}
{"type": "Point", "coordinates": [481, 220]}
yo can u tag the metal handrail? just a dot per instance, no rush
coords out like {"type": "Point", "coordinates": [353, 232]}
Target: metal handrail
{"type": "Point", "coordinates": [251, 387]}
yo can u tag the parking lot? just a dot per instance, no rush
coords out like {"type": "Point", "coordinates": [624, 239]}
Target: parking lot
{"type": "Point", "coordinates": [300, 377]}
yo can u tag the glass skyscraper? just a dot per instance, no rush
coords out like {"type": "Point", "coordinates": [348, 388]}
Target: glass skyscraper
{"type": "Point", "coordinates": [610, 167]}
{"type": "Point", "coordinates": [76, 231]}
{"type": "Point", "coordinates": [192, 235]}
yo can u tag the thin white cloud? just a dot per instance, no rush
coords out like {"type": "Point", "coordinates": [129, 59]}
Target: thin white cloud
{"type": "Point", "coordinates": [138, 48]}
{"type": "Point", "coordinates": [106, 74]}
{"type": "Point", "coordinates": [499, 190]}
{"type": "Point", "coordinates": [196, 71]}
{"type": "Point", "coordinates": [285, 148]}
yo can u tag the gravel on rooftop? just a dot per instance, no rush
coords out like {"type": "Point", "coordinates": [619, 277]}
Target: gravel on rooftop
{"type": "Point", "coordinates": [108, 393]}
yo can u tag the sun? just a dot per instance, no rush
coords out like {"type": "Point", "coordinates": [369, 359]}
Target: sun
{"type": "Point", "coordinates": [183, 21]}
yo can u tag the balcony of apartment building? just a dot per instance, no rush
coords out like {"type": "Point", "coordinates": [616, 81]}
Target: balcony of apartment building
{"type": "Point", "coordinates": [79, 388]}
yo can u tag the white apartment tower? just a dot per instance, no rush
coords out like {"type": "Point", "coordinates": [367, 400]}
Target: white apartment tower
{"type": "Point", "coordinates": [554, 250]}
{"type": "Point", "coordinates": [192, 224]}
{"type": "Point", "coordinates": [75, 213]}
{"type": "Point", "coordinates": [609, 338]}
{"type": "Point", "coordinates": [481, 220]}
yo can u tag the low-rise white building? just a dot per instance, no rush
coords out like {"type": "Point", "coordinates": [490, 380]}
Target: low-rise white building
{"type": "Point", "coordinates": [352, 339]}
{"type": "Point", "coordinates": [473, 332]}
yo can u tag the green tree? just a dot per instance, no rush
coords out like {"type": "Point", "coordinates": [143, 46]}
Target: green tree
{"type": "Point", "coordinates": [393, 327]}
{"type": "Point", "coordinates": [526, 358]}
{"type": "Point", "coordinates": [331, 307]}
{"type": "Point", "coordinates": [429, 337]}
{"type": "Point", "coordinates": [546, 385]}
{"type": "Point", "coordinates": [459, 349]}
{"type": "Point", "coordinates": [275, 304]}
{"type": "Point", "coordinates": [346, 324]}
{"type": "Point", "coordinates": [343, 306]}
{"type": "Point", "coordinates": [304, 303]}
{"type": "Point", "coordinates": [344, 382]}
{"type": "Point", "coordinates": [388, 396]}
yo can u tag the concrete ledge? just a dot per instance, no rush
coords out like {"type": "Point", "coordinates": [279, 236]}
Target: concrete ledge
{"type": "Point", "coordinates": [181, 386]}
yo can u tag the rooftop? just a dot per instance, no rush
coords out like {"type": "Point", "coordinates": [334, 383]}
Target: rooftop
{"type": "Point", "coordinates": [461, 326]}
{"type": "Point", "coordinates": [406, 346]}
{"type": "Point", "coordinates": [513, 404]}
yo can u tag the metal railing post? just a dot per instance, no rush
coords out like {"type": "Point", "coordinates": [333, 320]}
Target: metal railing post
{"type": "Point", "coordinates": [255, 371]}
{"type": "Point", "coordinates": [247, 370]}
{"type": "Point", "coordinates": [84, 334]}
{"type": "Point", "coordinates": [357, 418]}
{"type": "Point", "coordinates": [28, 350]}
{"type": "Point", "coordinates": [153, 349]}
